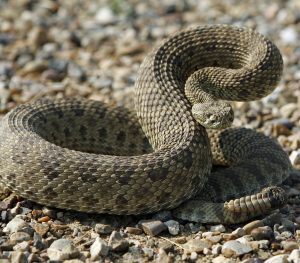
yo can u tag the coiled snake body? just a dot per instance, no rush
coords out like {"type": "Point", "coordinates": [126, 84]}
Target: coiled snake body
{"type": "Point", "coordinates": [87, 156]}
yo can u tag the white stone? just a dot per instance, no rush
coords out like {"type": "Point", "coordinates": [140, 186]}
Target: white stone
{"type": "Point", "coordinates": [99, 248]}
{"type": "Point", "coordinates": [62, 249]}
{"type": "Point", "coordinates": [15, 225]}
{"type": "Point", "coordinates": [219, 228]}
{"type": "Point", "coordinates": [278, 259]}
{"type": "Point", "coordinates": [173, 227]}
{"type": "Point", "coordinates": [105, 16]}
{"type": "Point", "coordinates": [289, 35]}
{"type": "Point", "coordinates": [194, 256]}
{"type": "Point", "coordinates": [222, 259]}
{"type": "Point", "coordinates": [294, 257]}
{"type": "Point", "coordinates": [295, 157]}
{"type": "Point", "coordinates": [235, 248]}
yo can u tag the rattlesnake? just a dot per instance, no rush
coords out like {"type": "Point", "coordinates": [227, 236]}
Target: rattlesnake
{"type": "Point", "coordinates": [88, 156]}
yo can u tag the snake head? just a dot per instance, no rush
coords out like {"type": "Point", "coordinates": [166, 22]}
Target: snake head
{"type": "Point", "coordinates": [213, 114]}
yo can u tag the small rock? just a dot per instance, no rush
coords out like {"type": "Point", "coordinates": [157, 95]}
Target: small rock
{"type": "Point", "coordinates": [295, 157]}
{"type": "Point", "coordinates": [252, 260]}
{"type": "Point", "coordinates": [18, 257]}
{"type": "Point", "coordinates": [218, 228]}
{"type": "Point", "coordinates": [222, 259]}
{"type": "Point", "coordinates": [216, 249]}
{"type": "Point", "coordinates": [193, 256]}
{"type": "Point", "coordinates": [264, 232]}
{"type": "Point", "coordinates": [73, 261]}
{"type": "Point", "coordinates": [38, 36]}
{"type": "Point", "coordinates": [117, 242]}
{"type": "Point", "coordinates": [173, 227]}
{"type": "Point", "coordinates": [103, 229]}
{"type": "Point", "coordinates": [75, 71]}
{"type": "Point", "coordinates": [286, 235]}
{"type": "Point", "coordinates": [105, 16]}
{"type": "Point", "coordinates": [38, 242]}
{"type": "Point", "coordinates": [278, 259]}
{"type": "Point", "coordinates": [23, 246]}
{"type": "Point", "coordinates": [166, 246]}
{"type": "Point", "coordinates": [163, 257]}
{"type": "Point", "coordinates": [98, 248]}
{"type": "Point", "coordinates": [19, 236]}
{"type": "Point", "coordinates": [16, 224]}
{"type": "Point", "coordinates": [34, 66]}
{"type": "Point", "coordinates": [133, 230]}
{"type": "Point", "coordinates": [250, 226]}
{"type": "Point", "coordinates": [62, 249]}
{"type": "Point", "coordinates": [233, 248]}
{"type": "Point", "coordinates": [49, 212]}
{"type": "Point", "coordinates": [288, 109]}
{"type": "Point", "coordinates": [289, 35]}
{"type": "Point", "coordinates": [289, 245]}
{"type": "Point", "coordinates": [294, 257]}
{"type": "Point", "coordinates": [214, 239]}
{"type": "Point", "coordinates": [239, 232]}
{"type": "Point", "coordinates": [148, 252]}
{"type": "Point", "coordinates": [153, 227]}
{"type": "Point", "coordinates": [16, 210]}
{"type": "Point", "coordinates": [288, 225]}
{"type": "Point", "coordinates": [196, 245]}
{"type": "Point", "coordinates": [52, 75]}
{"type": "Point", "coordinates": [41, 229]}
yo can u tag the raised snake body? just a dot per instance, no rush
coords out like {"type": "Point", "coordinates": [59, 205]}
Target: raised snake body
{"type": "Point", "coordinates": [87, 156]}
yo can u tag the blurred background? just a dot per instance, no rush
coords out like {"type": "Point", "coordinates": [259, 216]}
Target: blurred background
{"type": "Point", "coordinates": [93, 49]}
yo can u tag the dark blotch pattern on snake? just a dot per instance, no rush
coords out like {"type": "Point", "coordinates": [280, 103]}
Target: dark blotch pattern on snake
{"type": "Point", "coordinates": [87, 156]}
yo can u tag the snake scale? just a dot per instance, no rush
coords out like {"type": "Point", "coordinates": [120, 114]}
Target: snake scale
{"type": "Point", "coordinates": [88, 156]}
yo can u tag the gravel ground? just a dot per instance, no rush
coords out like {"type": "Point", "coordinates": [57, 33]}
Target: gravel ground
{"type": "Point", "coordinates": [93, 49]}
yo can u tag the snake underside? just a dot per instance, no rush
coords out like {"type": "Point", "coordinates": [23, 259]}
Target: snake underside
{"type": "Point", "coordinates": [88, 156]}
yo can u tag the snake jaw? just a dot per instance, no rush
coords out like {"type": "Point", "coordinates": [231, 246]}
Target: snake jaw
{"type": "Point", "coordinates": [213, 115]}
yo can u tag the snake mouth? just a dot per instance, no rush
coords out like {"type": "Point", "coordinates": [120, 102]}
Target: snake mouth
{"type": "Point", "coordinates": [213, 115]}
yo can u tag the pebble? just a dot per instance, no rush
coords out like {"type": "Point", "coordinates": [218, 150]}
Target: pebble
{"type": "Point", "coordinates": [294, 256]}
{"type": "Point", "coordinates": [194, 256]}
{"type": "Point", "coordinates": [133, 230]}
{"type": "Point", "coordinates": [105, 16]}
{"type": "Point", "coordinates": [18, 257]}
{"type": "Point", "coordinates": [295, 157]}
{"type": "Point", "coordinates": [76, 72]}
{"type": "Point", "coordinates": [173, 227]}
{"type": "Point", "coordinates": [148, 252]}
{"type": "Point", "coordinates": [19, 236]}
{"type": "Point", "coordinates": [216, 249]}
{"type": "Point", "coordinates": [289, 35]}
{"type": "Point", "coordinates": [289, 245]}
{"type": "Point", "coordinates": [99, 248]}
{"type": "Point", "coordinates": [117, 242]}
{"type": "Point", "coordinates": [16, 224]}
{"type": "Point", "coordinates": [264, 232]}
{"type": "Point", "coordinates": [218, 228]}
{"type": "Point", "coordinates": [278, 259]}
{"type": "Point", "coordinates": [196, 245]}
{"type": "Point", "coordinates": [103, 229]}
{"type": "Point", "coordinates": [239, 232]}
{"type": "Point", "coordinates": [233, 248]}
{"type": "Point", "coordinates": [62, 249]}
{"type": "Point", "coordinates": [163, 257]}
{"type": "Point", "coordinates": [153, 227]}
{"type": "Point", "coordinates": [222, 259]}
{"type": "Point", "coordinates": [41, 229]}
